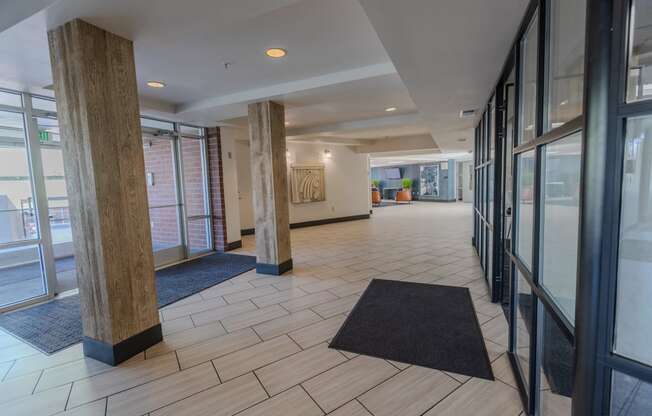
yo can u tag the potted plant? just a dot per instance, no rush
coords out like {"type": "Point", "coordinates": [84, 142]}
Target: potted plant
{"type": "Point", "coordinates": [406, 194]}
{"type": "Point", "coordinates": [375, 192]}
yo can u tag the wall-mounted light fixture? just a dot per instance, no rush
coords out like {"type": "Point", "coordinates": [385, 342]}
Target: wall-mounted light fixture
{"type": "Point", "coordinates": [327, 154]}
{"type": "Point", "coordinates": [287, 154]}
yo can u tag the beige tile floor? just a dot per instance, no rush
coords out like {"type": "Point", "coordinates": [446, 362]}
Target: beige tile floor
{"type": "Point", "coordinates": [257, 345]}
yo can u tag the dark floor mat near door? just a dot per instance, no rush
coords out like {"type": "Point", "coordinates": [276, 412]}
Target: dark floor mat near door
{"type": "Point", "coordinates": [55, 325]}
{"type": "Point", "coordinates": [427, 325]}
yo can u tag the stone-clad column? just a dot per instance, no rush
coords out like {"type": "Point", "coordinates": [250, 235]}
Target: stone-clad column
{"type": "Point", "coordinates": [97, 104]}
{"type": "Point", "coordinates": [269, 185]}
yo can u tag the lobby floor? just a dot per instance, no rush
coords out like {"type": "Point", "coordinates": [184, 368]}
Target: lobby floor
{"type": "Point", "coordinates": [257, 345]}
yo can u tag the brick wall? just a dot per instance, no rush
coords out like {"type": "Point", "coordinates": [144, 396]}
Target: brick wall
{"type": "Point", "coordinates": [164, 221]}
{"type": "Point", "coordinates": [216, 188]}
{"type": "Point", "coordinates": [193, 182]}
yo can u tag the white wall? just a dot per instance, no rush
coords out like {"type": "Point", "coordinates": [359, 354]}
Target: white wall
{"type": "Point", "coordinates": [246, 208]}
{"type": "Point", "coordinates": [467, 181]}
{"type": "Point", "coordinates": [230, 180]}
{"type": "Point", "coordinates": [347, 183]}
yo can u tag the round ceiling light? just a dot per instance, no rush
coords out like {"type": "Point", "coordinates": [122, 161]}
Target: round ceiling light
{"type": "Point", "coordinates": [276, 52]}
{"type": "Point", "coordinates": [155, 84]}
{"type": "Point", "coordinates": [390, 109]}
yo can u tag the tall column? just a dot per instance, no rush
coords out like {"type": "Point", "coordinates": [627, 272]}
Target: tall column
{"type": "Point", "coordinates": [269, 186]}
{"type": "Point", "coordinates": [97, 104]}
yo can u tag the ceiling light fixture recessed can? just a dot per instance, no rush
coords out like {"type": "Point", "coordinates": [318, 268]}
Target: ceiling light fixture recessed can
{"type": "Point", "coordinates": [276, 52]}
{"type": "Point", "coordinates": [155, 84]}
{"type": "Point", "coordinates": [390, 109]}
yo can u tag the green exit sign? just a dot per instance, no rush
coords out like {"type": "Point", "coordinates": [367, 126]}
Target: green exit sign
{"type": "Point", "coordinates": [43, 135]}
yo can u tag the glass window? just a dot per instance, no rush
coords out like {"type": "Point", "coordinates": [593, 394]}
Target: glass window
{"type": "Point", "coordinates": [566, 66]}
{"type": "Point", "coordinates": [639, 80]}
{"type": "Point", "coordinates": [156, 124]}
{"type": "Point", "coordinates": [193, 176]}
{"type": "Point", "coordinates": [189, 130]}
{"type": "Point", "coordinates": [523, 303]}
{"type": "Point", "coordinates": [630, 396]}
{"type": "Point", "coordinates": [529, 82]}
{"type": "Point", "coordinates": [525, 206]}
{"type": "Point", "coordinates": [21, 275]}
{"type": "Point", "coordinates": [44, 104]}
{"type": "Point", "coordinates": [556, 369]}
{"type": "Point", "coordinates": [634, 286]}
{"type": "Point", "coordinates": [198, 236]}
{"type": "Point", "coordinates": [162, 197]}
{"type": "Point", "coordinates": [561, 210]}
{"type": "Point", "coordinates": [11, 99]}
{"type": "Point", "coordinates": [17, 207]}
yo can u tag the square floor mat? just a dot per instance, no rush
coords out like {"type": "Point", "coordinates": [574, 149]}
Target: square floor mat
{"type": "Point", "coordinates": [427, 325]}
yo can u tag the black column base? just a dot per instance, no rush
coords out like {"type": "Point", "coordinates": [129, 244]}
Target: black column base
{"type": "Point", "coordinates": [233, 245]}
{"type": "Point", "coordinates": [124, 350]}
{"type": "Point", "coordinates": [274, 269]}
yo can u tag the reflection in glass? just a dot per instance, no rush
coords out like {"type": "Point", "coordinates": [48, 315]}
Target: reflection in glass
{"type": "Point", "coordinates": [630, 396]}
{"type": "Point", "coordinates": [639, 68]}
{"type": "Point", "coordinates": [17, 207]}
{"type": "Point", "coordinates": [21, 275]}
{"type": "Point", "coordinates": [523, 304]}
{"type": "Point", "coordinates": [524, 206]}
{"type": "Point", "coordinates": [561, 210]}
{"type": "Point", "coordinates": [566, 76]}
{"type": "Point", "coordinates": [527, 126]}
{"type": "Point", "coordinates": [556, 369]}
{"type": "Point", "coordinates": [634, 287]}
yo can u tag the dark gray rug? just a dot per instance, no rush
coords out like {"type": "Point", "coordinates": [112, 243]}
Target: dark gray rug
{"type": "Point", "coordinates": [427, 325]}
{"type": "Point", "coordinates": [56, 325]}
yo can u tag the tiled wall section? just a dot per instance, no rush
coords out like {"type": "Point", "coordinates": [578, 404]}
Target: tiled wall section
{"type": "Point", "coordinates": [216, 188]}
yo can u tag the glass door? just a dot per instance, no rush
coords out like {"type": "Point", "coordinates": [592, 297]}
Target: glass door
{"type": "Point", "coordinates": [163, 195]}
{"type": "Point", "coordinates": [507, 186]}
{"type": "Point", "coordinates": [47, 126]}
{"type": "Point", "coordinates": [25, 252]}
{"type": "Point", "coordinates": [195, 190]}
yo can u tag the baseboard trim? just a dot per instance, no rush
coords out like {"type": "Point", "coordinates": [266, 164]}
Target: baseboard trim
{"type": "Point", "coordinates": [330, 221]}
{"type": "Point", "coordinates": [123, 350]}
{"type": "Point", "coordinates": [250, 231]}
{"type": "Point", "coordinates": [233, 245]}
{"type": "Point", "coordinates": [274, 269]}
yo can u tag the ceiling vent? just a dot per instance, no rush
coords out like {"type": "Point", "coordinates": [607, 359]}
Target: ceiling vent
{"type": "Point", "coordinates": [467, 113]}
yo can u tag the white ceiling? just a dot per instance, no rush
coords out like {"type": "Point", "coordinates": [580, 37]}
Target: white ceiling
{"type": "Point", "coordinates": [336, 80]}
{"type": "Point", "coordinates": [449, 54]}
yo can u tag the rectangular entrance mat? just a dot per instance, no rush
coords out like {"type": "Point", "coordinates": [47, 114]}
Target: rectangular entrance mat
{"type": "Point", "coordinates": [427, 325]}
{"type": "Point", "coordinates": [55, 325]}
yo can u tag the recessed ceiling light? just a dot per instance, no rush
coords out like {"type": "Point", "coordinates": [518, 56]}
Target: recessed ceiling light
{"type": "Point", "coordinates": [461, 139]}
{"type": "Point", "coordinates": [155, 84]}
{"type": "Point", "coordinates": [276, 52]}
{"type": "Point", "coordinates": [390, 109]}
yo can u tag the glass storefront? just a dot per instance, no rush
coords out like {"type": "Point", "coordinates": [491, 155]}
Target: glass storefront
{"type": "Point", "coordinates": [577, 250]}
{"type": "Point", "coordinates": [541, 161]}
{"type": "Point", "coordinates": [36, 254]}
